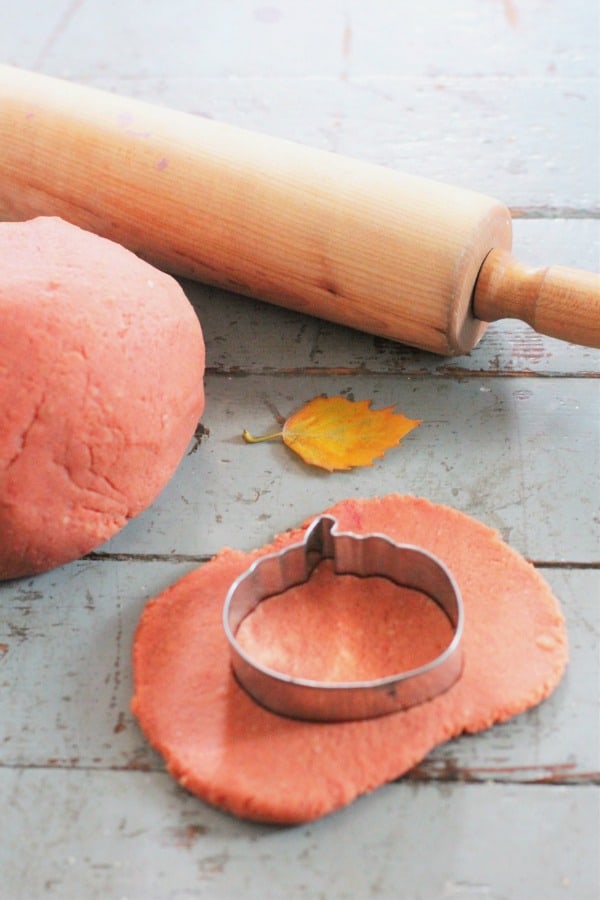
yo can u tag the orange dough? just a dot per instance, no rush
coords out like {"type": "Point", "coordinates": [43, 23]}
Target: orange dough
{"type": "Point", "coordinates": [101, 368]}
{"type": "Point", "coordinates": [221, 745]}
{"type": "Point", "coordinates": [367, 628]}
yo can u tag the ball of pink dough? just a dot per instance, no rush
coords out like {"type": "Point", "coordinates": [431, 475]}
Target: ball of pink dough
{"type": "Point", "coordinates": [101, 388]}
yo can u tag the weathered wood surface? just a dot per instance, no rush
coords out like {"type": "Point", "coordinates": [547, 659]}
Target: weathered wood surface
{"type": "Point", "coordinates": [501, 97]}
{"type": "Point", "coordinates": [520, 454]}
{"type": "Point", "coordinates": [102, 834]}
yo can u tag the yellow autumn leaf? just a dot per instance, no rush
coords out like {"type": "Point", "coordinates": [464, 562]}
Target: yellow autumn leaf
{"type": "Point", "coordinates": [335, 433]}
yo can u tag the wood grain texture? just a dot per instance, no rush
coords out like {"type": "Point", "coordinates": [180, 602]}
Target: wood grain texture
{"type": "Point", "coordinates": [500, 97]}
{"type": "Point", "coordinates": [271, 219]}
{"type": "Point", "coordinates": [530, 142]}
{"type": "Point", "coordinates": [235, 327]}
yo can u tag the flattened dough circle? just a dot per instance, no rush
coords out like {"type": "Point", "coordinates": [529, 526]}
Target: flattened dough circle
{"type": "Point", "coordinates": [235, 754]}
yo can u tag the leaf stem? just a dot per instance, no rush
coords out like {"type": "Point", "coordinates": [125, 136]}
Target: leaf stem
{"type": "Point", "coordinates": [263, 437]}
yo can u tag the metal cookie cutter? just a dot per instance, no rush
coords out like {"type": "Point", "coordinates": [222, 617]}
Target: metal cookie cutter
{"type": "Point", "coordinates": [364, 555]}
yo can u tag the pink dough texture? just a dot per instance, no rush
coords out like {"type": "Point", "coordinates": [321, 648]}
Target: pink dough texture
{"type": "Point", "coordinates": [101, 389]}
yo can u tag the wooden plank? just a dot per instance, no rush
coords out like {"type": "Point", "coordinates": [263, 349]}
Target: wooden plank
{"type": "Point", "coordinates": [344, 40]}
{"type": "Point", "coordinates": [134, 835]}
{"type": "Point", "coordinates": [66, 675]}
{"type": "Point", "coordinates": [66, 666]}
{"type": "Point", "coordinates": [243, 335]}
{"type": "Point", "coordinates": [523, 749]}
{"type": "Point", "coordinates": [508, 451]}
{"type": "Point", "coordinates": [31, 30]}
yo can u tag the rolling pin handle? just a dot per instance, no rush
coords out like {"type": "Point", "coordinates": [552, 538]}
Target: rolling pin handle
{"type": "Point", "coordinates": [557, 301]}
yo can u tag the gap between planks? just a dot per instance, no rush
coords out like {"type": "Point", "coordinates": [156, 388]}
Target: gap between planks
{"type": "Point", "coordinates": [428, 771]}
{"type": "Point", "coordinates": [359, 371]}
{"type": "Point", "coordinates": [99, 556]}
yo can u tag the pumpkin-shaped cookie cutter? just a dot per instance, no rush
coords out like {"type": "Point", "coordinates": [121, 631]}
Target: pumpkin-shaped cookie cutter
{"type": "Point", "coordinates": [365, 555]}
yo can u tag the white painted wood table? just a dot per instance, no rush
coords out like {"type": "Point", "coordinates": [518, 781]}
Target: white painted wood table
{"type": "Point", "coordinates": [499, 96]}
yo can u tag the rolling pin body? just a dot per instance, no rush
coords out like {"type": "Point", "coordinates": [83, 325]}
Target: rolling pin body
{"type": "Point", "coordinates": [387, 253]}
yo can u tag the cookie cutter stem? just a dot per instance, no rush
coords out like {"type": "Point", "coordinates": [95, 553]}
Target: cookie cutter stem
{"type": "Point", "coordinates": [366, 556]}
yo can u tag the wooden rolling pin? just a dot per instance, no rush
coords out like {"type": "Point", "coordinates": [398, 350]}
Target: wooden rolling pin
{"type": "Point", "coordinates": [396, 255]}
